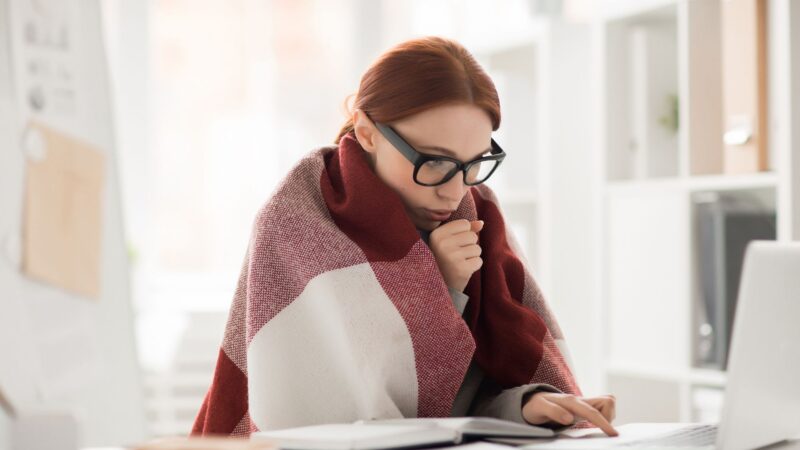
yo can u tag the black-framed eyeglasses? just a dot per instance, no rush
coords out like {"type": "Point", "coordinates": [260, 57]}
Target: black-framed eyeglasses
{"type": "Point", "coordinates": [433, 170]}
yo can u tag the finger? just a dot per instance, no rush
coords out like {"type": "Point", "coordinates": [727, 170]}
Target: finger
{"type": "Point", "coordinates": [610, 406]}
{"type": "Point", "coordinates": [449, 228]}
{"type": "Point", "coordinates": [605, 409]}
{"type": "Point", "coordinates": [470, 251]}
{"type": "Point", "coordinates": [612, 410]}
{"type": "Point", "coordinates": [539, 410]}
{"type": "Point", "coordinates": [556, 413]}
{"type": "Point", "coordinates": [598, 418]}
{"type": "Point", "coordinates": [462, 239]}
{"type": "Point", "coordinates": [605, 404]}
{"type": "Point", "coordinates": [595, 416]}
{"type": "Point", "coordinates": [475, 263]}
{"type": "Point", "coordinates": [580, 408]}
{"type": "Point", "coordinates": [601, 398]}
{"type": "Point", "coordinates": [453, 241]}
{"type": "Point", "coordinates": [476, 225]}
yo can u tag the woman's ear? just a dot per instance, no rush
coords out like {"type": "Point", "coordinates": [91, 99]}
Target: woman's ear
{"type": "Point", "coordinates": [365, 131]}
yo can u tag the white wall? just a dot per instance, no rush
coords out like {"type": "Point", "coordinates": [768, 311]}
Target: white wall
{"type": "Point", "coordinates": [5, 439]}
{"type": "Point", "coordinates": [566, 167]}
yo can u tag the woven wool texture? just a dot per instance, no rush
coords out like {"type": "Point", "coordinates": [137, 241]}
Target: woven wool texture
{"type": "Point", "coordinates": [338, 292]}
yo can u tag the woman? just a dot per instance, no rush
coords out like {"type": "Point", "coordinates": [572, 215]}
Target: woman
{"type": "Point", "coordinates": [381, 282]}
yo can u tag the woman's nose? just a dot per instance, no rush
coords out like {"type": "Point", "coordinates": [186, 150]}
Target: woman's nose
{"type": "Point", "coordinates": [453, 190]}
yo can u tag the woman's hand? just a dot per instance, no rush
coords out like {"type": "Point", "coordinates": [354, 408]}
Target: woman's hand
{"type": "Point", "coordinates": [455, 246]}
{"type": "Point", "coordinates": [566, 409]}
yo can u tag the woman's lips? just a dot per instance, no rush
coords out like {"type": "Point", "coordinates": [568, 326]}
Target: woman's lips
{"type": "Point", "coordinates": [438, 215]}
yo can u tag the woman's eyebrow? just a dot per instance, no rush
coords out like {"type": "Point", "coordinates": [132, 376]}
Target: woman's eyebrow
{"type": "Point", "coordinates": [451, 153]}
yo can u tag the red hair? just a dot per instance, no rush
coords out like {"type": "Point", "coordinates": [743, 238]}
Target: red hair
{"type": "Point", "coordinates": [420, 74]}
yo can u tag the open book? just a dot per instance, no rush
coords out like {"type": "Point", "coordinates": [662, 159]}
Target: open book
{"type": "Point", "coordinates": [399, 433]}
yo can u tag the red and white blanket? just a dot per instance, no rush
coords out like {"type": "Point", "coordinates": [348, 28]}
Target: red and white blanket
{"type": "Point", "coordinates": [341, 312]}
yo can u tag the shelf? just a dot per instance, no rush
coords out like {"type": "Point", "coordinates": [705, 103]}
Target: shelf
{"type": "Point", "coordinates": [708, 377]}
{"type": "Point", "coordinates": [669, 208]}
{"type": "Point", "coordinates": [693, 376]}
{"type": "Point", "coordinates": [641, 371]}
{"type": "Point", "coordinates": [641, 65]}
{"type": "Point", "coordinates": [648, 183]}
{"type": "Point", "coordinates": [732, 182]}
{"type": "Point", "coordinates": [636, 9]}
{"type": "Point", "coordinates": [762, 180]}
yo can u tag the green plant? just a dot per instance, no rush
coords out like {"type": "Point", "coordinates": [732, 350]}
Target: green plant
{"type": "Point", "coordinates": [670, 120]}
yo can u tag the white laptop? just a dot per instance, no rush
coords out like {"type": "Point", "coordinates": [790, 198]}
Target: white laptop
{"type": "Point", "coordinates": [762, 398]}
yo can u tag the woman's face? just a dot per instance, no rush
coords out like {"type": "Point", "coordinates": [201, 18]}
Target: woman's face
{"type": "Point", "coordinates": [460, 131]}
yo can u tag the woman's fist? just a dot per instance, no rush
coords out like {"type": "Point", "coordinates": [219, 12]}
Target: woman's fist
{"type": "Point", "coordinates": [455, 246]}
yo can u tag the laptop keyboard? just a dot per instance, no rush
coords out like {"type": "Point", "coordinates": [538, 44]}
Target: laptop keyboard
{"type": "Point", "coordinates": [691, 436]}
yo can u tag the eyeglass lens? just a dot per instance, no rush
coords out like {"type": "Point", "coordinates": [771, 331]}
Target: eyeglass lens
{"type": "Point", "coordinates": [437, 171]}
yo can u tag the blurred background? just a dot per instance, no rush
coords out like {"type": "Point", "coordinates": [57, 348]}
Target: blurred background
{"type": "Point", "coordinates": [647, 144]}
{"type": "Point", "coordinates": [217, 100]}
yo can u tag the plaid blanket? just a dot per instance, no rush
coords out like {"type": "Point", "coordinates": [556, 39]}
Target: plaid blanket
{"type": "Point", "coordinates": [341, 312]}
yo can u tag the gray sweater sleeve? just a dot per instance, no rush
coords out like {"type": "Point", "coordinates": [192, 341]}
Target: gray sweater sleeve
{"type": "Point", "coordinates": [507, 404]}
{"type": "Point", "coordinates": [489, 399]}
{"type": "Point", "coordinates": [459, 300]}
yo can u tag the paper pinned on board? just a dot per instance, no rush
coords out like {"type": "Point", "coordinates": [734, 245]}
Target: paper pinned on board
{"type": "Point", "coordinates": [62, 234]}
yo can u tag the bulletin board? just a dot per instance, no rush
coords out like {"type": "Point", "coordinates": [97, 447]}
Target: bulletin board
{"type": "Point", "coordinates": [66, 322]}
